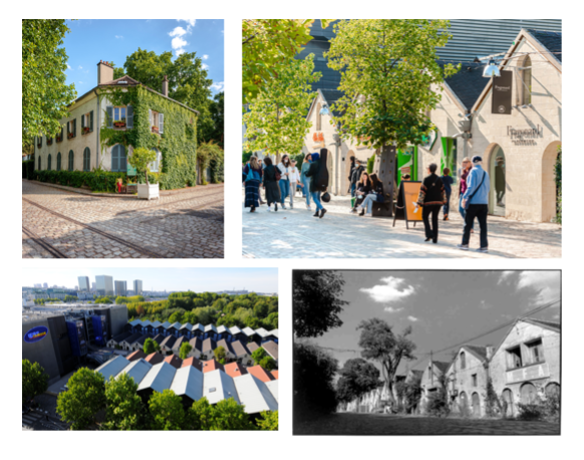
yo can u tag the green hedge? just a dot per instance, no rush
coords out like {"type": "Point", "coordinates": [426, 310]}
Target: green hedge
{"type": "Point", "coordinates": [27, 169]}
{"type": "Point", "coordinates": [97, 181]}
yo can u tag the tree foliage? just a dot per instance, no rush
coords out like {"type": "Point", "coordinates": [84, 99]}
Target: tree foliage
{"type": "Point", "coordinates": [151, 346]}
{"type": "Point", "coordinates": [268, 46]}
{"type": "Point", "coordinates": [85, 397]}
{"type": "Point", "coordinates": [276, 120]}
{"type": "Point", "coordinates": [381, 344]}
{"type": "Point", "coordinates": [268, 363]}
{"type": "Point", "coordinates": [357, 377]}
{"type": "Point", "coordinates": [34, 380]}
{"type": "Point", "coordinates": [317, 301]}
{"type": "Point", "coordinates": [45, 95]}
{"type": "Point", "coordinates": [268, 421]}
{"type": "Point", "coordinates": [258, 355]}
{"type": "Point", "coordinates": [185, 349]}
{"type": "Point", "coordinates": [140, 159]}
{"type": "Point", "coordinates": [124, 408]}
{"type": "Point", "coordinates": [166, 411]}
{"type": "Point", "coordinates": [220, 354]}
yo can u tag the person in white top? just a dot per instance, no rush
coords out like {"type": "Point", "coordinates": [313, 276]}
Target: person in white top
{"type": "Point", "coordinates": [294, 181]}
{"type": "Point", "coordinates": [284, 168]}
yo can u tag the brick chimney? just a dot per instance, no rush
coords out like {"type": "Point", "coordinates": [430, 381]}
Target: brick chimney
{"type": "Point", "coordinates": [105, 72]}
{"type": "Point", "coordinates": [165, 86]}
{"type": "Point", "coordinates": [490, 350]}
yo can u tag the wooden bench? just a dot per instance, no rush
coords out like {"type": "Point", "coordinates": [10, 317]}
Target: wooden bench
{"type": "Point", "coordinates": [381, 209]}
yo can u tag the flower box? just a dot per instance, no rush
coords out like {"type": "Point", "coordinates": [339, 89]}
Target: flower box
{"type": "Point", "coordinates": [148, 192]}
{"type": "Point", "coordinates": [86, 130]}
{"type": "Point", "coordinates": [58, 138]}
{"type": "Point", "coordinates": [49, 141]}
{"type": "Point", "coordinates": [119, 124]}
{"type": "Point", "coordinates": [70, 135]}
{"type": "Point", "coordinates": [155, 129]}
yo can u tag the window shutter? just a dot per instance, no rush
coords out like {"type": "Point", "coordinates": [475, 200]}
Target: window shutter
{"type": "Point", "coordinates": [110, 116]}
{"type": "Point", "coordinates": [82, 122]}
{"type": "Point", "coordinates": [160, 123]}
{"type": "Point", "coordinates": [68, 128]}
{"type": "Point", "coordinates": [74, 127]}
{"type": "Point", "coordinates": [130, 117]}
{"type": "Point", "coordinates": [123, 165]}
{"type": "Point", "coordinates": [91, 120]}
{"type": "Point", "coordinates": [115, 160]}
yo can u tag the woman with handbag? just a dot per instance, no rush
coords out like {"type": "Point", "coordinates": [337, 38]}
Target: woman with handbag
{"type": "Point", "coordinates": [432, 197]}
{"type": "Point", "coordinates": [271, 179]}
{"type": "Point", "coordinates": [252, 176]}
{"type": "Point", "coordinates": [376, 194]}
{"type": "Point", "coordinates": [319, 177]}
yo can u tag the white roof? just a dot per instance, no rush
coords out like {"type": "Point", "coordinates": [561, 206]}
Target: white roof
{"type": "Point", "coordinates": [217, 385]}
{"type": "Point", "coordinates": [136, 321]}
{"type": "Point", "coordinates": [234, 330]}
{"type": "Point", "coordinates": [146, 323]}
{"type": "Point", "coordinates": [199, 326]}
{"type": "Point", "coordinates": [248, 331]}
{"type": "Point", "coordinates": [137, 370]}
{"type": "Point", "coordinates": [274, 332]}
{"type": "Point", "coordinates": [262, 332]}
{"type": "Point", "coordinates": [159, 378]}
{"type": "Point", "coordinates": [156, 324]}
{"type": "Point", "coordinates": [210, 327]}
{"type": "Point", "coordinates": [187, 326]}
{"type": "Point", "coordinates": [166, 325]}
{"type": "Point", "coordinates": [221, 329]}
{"type": "Point", "coordinates": [188, 381]}
{"type": "Point", "coordinates": [273, 387]}
{"type": "Point", "coordinates": [112, 367]}
{"type": "Point", "coordinates": [254, 394]}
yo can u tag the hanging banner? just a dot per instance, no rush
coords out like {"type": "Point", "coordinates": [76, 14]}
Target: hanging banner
{"type": "Point", "coordinates": [36, 334]}
{"type": "Point", "coordinates": [502, 93]}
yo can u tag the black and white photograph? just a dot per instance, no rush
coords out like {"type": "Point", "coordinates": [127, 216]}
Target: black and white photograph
{"type": "Point", "coordinates": [426, 352]}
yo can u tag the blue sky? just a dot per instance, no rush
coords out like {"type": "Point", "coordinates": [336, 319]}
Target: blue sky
{"type": "Point", "coordinates": [160, 279]}
{"type": "Point", "coordinates": [443, 307]}
{"type": "Point", "coordinates": [92, 40]}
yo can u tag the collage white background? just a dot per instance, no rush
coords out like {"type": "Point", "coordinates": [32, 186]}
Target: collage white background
{"type": "Point", "coordinates": [282, 444]}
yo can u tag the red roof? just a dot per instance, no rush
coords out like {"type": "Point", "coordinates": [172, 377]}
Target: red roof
{"type": "Point", "coordinates": [274, 374]}
{"type": "Point", "coordinates": [260, 373]}
{"type": "Point", "coordinates": [134, 356]}
{"type": "Point", "coordinates": [235, 369]}
{"type": "Point", "coordinates": [155, 358]}
{"type": "Point", "coordinates": [174, 361]}
{"type": "Point", "coordinates": [192, 361]}
{"type": "Point", "coordinates": [212, 365]}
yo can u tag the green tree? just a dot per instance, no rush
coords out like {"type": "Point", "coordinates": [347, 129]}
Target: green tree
{"type": "Point", "coordinates": [268, 363]}
{"type": "Point", "coordinates": [103, 300]}
{"type": "Point", "coordinates": [45, 95]}
{"type": "Point", "coordinates": [317, 301]}
{"type": "Point", "coordinates": [151, 346]}
{"type": "Point", "coordinates": [220, 354]}
{"type": "Point", "coordinates": [85, 397]}
{"type": "Point", "coordinates": [276, 121]}
{"type": "Point", "coordinates": [166, 411]}
{"type": "Point", "coordinates": [389, 75]}
{"type": "Point", "coordinates": [124, 408]}
{"type": "Point", "coordinates": [140, 159]}
{"type": "Point", "coordinates": [200, 415]}
{"type": "Point", "coordinates": [206, 153]}
{"type": "Point", "coordinates": [217, 110]}
{"type": "Point", "coordinates": [381, 344]}
{"type": "Point", "coordinates": [268, 46]}
{"type": "Point", "coordinates": [185, 349]}
{"type": "Point", "coordinates": [268, 421]}
{"type": "Point", "coordinates": [357, 377]}
{"type": "Point", "coordinates": [34, 380]}
{"type": "Point", "coordinates": [258, 355]}
{"type": "Point", "coordinates": [229, 415]}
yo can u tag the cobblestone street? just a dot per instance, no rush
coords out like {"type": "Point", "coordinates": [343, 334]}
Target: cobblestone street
{"type": "Point", "coordinates": [294, 233]}
{"type": "Point", "coordinates": [180, 224]}
{"type": "Point", "coordinates": [381, 424]}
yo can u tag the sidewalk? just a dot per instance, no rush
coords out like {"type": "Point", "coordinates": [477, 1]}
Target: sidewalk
{"type": "Point", "coordinates": [294, 233]}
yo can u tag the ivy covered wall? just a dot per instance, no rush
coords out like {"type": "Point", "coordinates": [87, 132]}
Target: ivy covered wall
{"type": "Point", "coordinates": [177, 143]}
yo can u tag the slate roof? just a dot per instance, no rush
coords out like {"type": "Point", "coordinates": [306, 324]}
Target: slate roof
{"type": "Point", "coordinates": [441, 365]}
{"type": "Point", "coordinates": [174, 361]}
{"type": "Point", "coordinates": [121, 337]}
{"type": "Point", "coordinates": [179, 341]}
{"type": "Point", "coordinates": [239, 349]}
{"type": "Point", "coordinates": [209, 345]}
{"type": "Point", "coordinates": [168, 341]}
{"type": "Point", "coordinates": [158, 338]}
{"type": "Point", "coordinates": [196, 343]}
{"type": "Point", "coordinates": [468, 83]}
{"type": "Point", "coordinates": [132, 338]}
{"type": "Point", "coordinates": [551, 40]}
{"type": "Point", "coordinates": [252, 346]}
{"type": "Point", "coordinates": [548, 324]}
{"type": "Point", "coordinates": [129, 82]}
{"type": "Point", "coordinates": [138, 354]}
{"type": "Point", "coordinates": [271, 348]}
{"type": "Point", "coordinates": [226, 346]}
{"type": "Point", "coordinates": [480, 352]}
{"type": "Point", "coordinates": [154, 358]}
{"type": "Point", "coordinates": [192, 361]}
{"type": "Point", "coordinates": [142, 339]}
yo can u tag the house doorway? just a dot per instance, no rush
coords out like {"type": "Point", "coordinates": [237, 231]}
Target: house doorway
{"type": "Point", "coordinates": [497, 173]}
{"type": "Point", "coordinates": [508, 398]}
{"type": "Point", "coordinates": [549, 187]}
{"type": "Point", "coordinates": [476, 405]}
{"type": "Point", "coordinates": [463, 404]}
{"type": "Point", "coordinates": [528, 393]}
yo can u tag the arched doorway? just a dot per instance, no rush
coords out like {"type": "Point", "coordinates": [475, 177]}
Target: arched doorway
{"type": "Point", "coordinates": [476, 405]}
{"type": "Point", "coordinates": [463, 404]}
{"type": "Point", "coordinates": [497, 173]}
{"type": "Point", "coordinates": [552, 389]}
{"type": "Point", "coordinates": [528, 393]}
{"type": "Point", "coordinates": [508, 398]}
{"type": "Point", "coordinates": [549, 198]}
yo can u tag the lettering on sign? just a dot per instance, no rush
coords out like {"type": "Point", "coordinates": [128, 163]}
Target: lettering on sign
{"type": "Point", "coordinates": [524, 136]}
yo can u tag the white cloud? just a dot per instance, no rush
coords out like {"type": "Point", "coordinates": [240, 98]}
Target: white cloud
{"type": "Point", "coordinates": [119, 36]}
{"type": "Point", "coordinates": [177, 32]}
{"type": "Point", "coordinates": [392, 310]}
{"type": "Point", "coordinates": [484, 305]}
{"type": "Point", "coordinates": [80, 82]}
{"type": "Point", "coordinates": [218, 86]}
{"type": "Point", "coordinates": [393, 289]}
{"type": "Point", "coordinates": [178, 42]}
{"type": "Point", "coordinates": [190, 22]}
{"type": "Point", "coordinates": [545, 283]}
{"type": "Point", "coordinates": [413, 319]}
{"type": "Point", "coordinates": [80, 67]}
{"type": "Point", "coordinates": [178, 45]}
{"type": "Point", "coordinates": [505, 276]}
{"type": "Point", "coordinates": [205, 57]}
{"type": "Point", "coordinates": [204, 66]}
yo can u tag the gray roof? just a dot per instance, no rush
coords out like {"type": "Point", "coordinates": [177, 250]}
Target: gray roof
{"type": "Point", "coordinates": [272, 385]}
{"type": "Point", "coordinates": [188, 381]}
{"type": "Point", "coordinates": [226, 346]}
{"type": "Point", "coordinates": [550, 40]}
{"type": "Point", "coordinates": [168, 341]}
{"type": "Point", "coordinates": [159, 378]}
{"type": "Point", "coordinates": [187, 326]}
{"type": "Point", "coordinates": [175, 325]}
{"type": "Point", "coordinates": [166, 325]}
{"type": "Point", "coordinates": [135, 322]}
{"type": "Point", "coordinates": [113, 367]}
{"type": "Point", "coordinates": [179, 341]}
{"type": "Point", "coordinates": [239, 349]}
{"type": "Point", "coordinates": [158, 338]}
{"type": "Point", "coordinates": [146, 323]}
{"type": "Point", "coordinates": [142, 339]}
{"type": "Point", "coordinates": [468, 83]}
{"type": "Point", "coordinates": [209, 345]}
{"type": "Point", "coordinates": [210, 327]}
{"type": "Point", "coordinates": [156, 324]}
{"type": "Point", "coordinates": [199, 327]}
{"type": "Point", "coordinates": [133, 338]}
{"type": "Point", "coordinates": [254, 394]}
{"type": "Point", "coordinates": [221, 329]}
{"type": "Point", "coordinates": [196, 343]}
{"type": "Point", "coordinates": [137, 370]}
{"type": "Point", "coordinates": [262, 332]}
{"type": "Point", "coordinates": [218, 386]}
{"type": "Point", "coordinates": [271, 348]}
{"type": "Point", "coordinates": [121, 337]}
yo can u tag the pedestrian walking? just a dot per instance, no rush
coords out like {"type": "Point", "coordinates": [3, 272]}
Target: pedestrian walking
{"type": "Point", "coordinates": [294, 181]}
{"type": "Point", "coordinates": [352, 188]}
{"type": "Point", "coordinates": [319, 175]}
{"type": "Point", "coordinates": [252, 176]}
{"type": "Point", "coordinates": [284, 181]}
{"type": "Point", "coordinates": [305, 179]}
{"type": "Point", "coordinates": [262, 166]}
{"type": "Point", "coordinates": [271, 179]}
{"type": "Point", "coordinates": [476, 203]}
{"type": "Point", "coordinates": [447, 181]}
{"type": "Point", "coordinates": [356, 172]}
{"type": "Point", "coordinates": [432, 196]}
{"type": "Point", "coordinates": [376, 194]}
{"type": "Point", "coordinates": [463, 174]}
{"type": "Point", "coordinates": [500, 180]}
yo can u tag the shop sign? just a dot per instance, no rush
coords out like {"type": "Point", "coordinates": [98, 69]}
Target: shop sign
{"type": "Point", "coordinates": [502, 93]}
{"type": "Point", "coordinates": [524, 136]}
{"type": "Point", "coordinates": [36, 334]}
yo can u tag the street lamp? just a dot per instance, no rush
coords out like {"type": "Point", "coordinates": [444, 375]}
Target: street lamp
{"type": "Point", "coordinates": [491, 70]}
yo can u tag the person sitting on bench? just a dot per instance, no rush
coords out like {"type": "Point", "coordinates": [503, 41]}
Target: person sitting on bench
{"type": "Point", "coordinates": [375, 195]}
{"type": "Point", "coordinates": [363, 189]}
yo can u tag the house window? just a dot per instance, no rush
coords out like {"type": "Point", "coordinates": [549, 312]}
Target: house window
{"type": "Point", "coordinates": [157, 122]}
{"type": "Point", "coordinates": [49, 163]}
{"type": "Point", "coordinates": [155, 165]}
{"type": "Point", "coordinates": [71, 160]}
{"type": "Point", "coordinates": [71, 128]}
{"type": "Point", "coordinates": [462, 360]}
{"type": "Point", "coordinates": [49, 140]}
{"type": "Point", "coordinates": [525, 80]}
{"type": "Point", "coordinates": [39, 141]}
{"type": "Point", "coordinates": [474, 380]}
{"type": "Point", "coordinates": [120, 115]}
{"type": "Point", "coordinates": [59, 161]}
{"type": "Point", "coordinates": [514, 360]}
{"type": "Point", "coordinates": [535, 351]}
{"type": "Point", "coordinates": [87, 122]}
{"type": "Point", "coordinates": [86, 159]}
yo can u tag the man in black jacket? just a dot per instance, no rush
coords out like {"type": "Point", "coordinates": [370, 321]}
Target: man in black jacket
{"type": "Point", "coordinates": [432, 197]}
{"type": "Point", "coordinates": [356, 171]}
